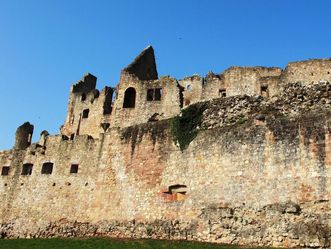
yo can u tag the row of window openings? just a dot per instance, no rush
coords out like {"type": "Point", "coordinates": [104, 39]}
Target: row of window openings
{"type": "Point", "coordinates": [47, 168]}
{"type": "Point", "coordinates": [263, 91]}
{"type": "Point", "coordinates": [153, 94]}
{"type": "Point", "coordinates": [83, 97]}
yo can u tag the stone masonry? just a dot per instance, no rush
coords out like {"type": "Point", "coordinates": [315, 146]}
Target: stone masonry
{"type": "Point", "coordinates": [258, 171]}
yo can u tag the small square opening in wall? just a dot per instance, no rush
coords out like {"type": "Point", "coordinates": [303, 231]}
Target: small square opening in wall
{"type": "Point", "coordinates": [47, 168]}
{"type": "Point", "coordinates": [222, 93]}
{"type": "Point", "coordinates": [5, 170]}
{"type": "Point", "coordinates": [27, 169]}
{"type": "Point", "coordinates": [175, 192]}
{"type": "Point", "coordinates": [74, 168]}
{"type": "Point", "coordinates": [85, 113]}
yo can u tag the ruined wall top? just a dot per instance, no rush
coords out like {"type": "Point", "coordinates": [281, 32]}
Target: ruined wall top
{"type": "Point", "coordinates": [86, 84]}
{"type": "Point", "coordinates": [141, 97]}
{"type": "Point", "coordinates": [143, 66]}
{"type": "Point", "coordinates": [23, 136]}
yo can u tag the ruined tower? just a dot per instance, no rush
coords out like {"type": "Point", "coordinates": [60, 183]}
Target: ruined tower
{"type": "Point", "coordinates": [23, 136]}
{"type": "Point", "coordinates": [143, 66]}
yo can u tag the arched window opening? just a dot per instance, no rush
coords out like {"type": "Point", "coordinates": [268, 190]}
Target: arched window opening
{"type": "Point", "coordinates": [129, 98]}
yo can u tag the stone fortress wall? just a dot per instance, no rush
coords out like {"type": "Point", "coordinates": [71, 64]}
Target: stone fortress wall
{"type": "Point", "coordinates": [258, 173]}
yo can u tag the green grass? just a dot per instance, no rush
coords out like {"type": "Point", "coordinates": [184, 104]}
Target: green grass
{"type": "Point", "coordinates": [104, 243]}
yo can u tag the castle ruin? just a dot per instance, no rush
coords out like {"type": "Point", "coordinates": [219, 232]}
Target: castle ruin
{"type": "Point", "coordinates": [255, 171]}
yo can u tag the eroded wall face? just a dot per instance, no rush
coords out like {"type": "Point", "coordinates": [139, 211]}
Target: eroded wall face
{"type": "Point", "coordinates": [192, 90]}
{"type": "Point", "coordinates": [242, 80]}
{"type": "Point", "coordinates": [307, 72]}
{"type": "Point", "coordinates": [247, 178]}
{"type": "Point", "coordinates": [87, 113]}
{"type": "Point", "coordinates": [144, 110]}
{"type": "Point", "coordinates": [174, 95]}
{"type": "Point", "coordinates": [257, 172]}
{"type": "Point", "coordinates": [60, 194]}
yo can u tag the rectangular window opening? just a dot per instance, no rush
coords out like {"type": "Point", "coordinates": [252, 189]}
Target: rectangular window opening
{"type": "Point", "coordinates": [150, 94]}
{"type": "Point", "coordinates": [108, 104]}
{"type": "Point", "coordinates": [158, 94]}
{"type": "Point", "coordinates": [47, 168]}
{"type": "Point", "coordinates": [74, 168]}
{"type": "Point", "coordinates": [27, 169]}
{"type": "Point", "coordinates": [85, 113]}
{"type": "Point", "coordinates": [154, 94]}
{"type": "Point", "coordinates": [5, 170]}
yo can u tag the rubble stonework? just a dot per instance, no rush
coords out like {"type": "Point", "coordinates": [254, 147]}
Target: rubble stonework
{"type": "Point", "coordinates": [257, 171]}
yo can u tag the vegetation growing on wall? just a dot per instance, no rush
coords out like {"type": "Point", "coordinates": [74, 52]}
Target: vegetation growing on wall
{"type": "Point", "coordinates": [184, 127]}
{"type": "Point", "coordinates": [105, 243]}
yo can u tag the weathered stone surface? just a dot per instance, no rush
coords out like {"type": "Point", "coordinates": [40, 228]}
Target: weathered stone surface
{"type": "Point", "coordinates": [257, 173]}
{"type": "Point", "coordinates": [272, 225]}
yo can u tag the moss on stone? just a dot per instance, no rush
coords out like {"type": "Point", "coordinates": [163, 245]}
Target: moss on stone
{"type": "Point", "coordinates": [184, 127]}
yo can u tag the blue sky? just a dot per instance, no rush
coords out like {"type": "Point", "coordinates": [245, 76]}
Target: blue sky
{"type": "Point", "coordinates": [45, 46]}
